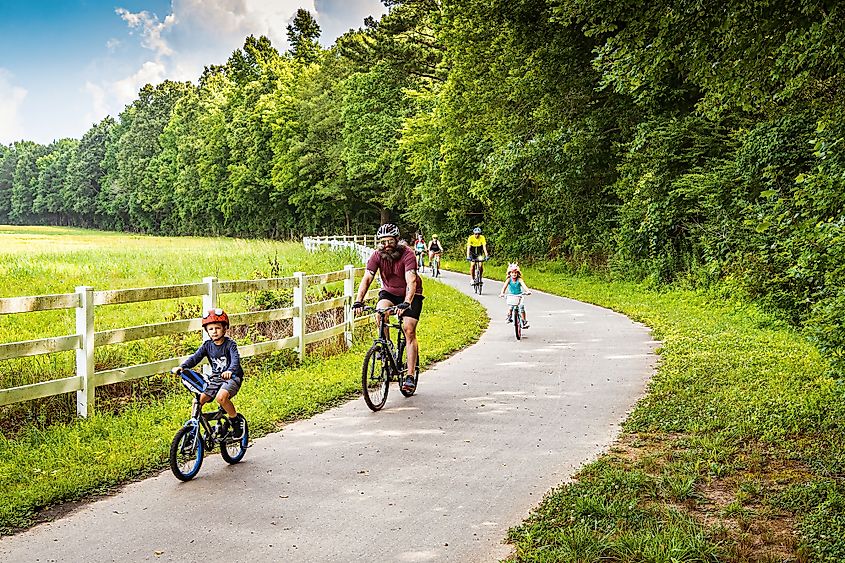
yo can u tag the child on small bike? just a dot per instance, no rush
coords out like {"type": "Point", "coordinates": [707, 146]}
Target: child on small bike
{"type": "Point", "coordinates": [515, 285]}
{"type": "Point", "coordinates": [226, 372]}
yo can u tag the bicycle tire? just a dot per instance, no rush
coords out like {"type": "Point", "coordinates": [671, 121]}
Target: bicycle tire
{"type": "Point", "coordinates": [185, 461]}
{"type": "Point", "coordinates": [375, 377]}
{"type": "Point", "coordinates": [233, 451]}
{"type": "Point", "coordinates": [404, 369]}
{"type": "Point", "coordinates": [517, 323]}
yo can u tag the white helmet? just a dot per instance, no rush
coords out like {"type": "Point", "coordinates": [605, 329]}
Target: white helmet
{"type": "Point", "coordinates": [388, 230]}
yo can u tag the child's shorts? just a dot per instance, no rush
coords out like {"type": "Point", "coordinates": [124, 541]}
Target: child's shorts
{"type": "Point", "coordinates": [215, 384]}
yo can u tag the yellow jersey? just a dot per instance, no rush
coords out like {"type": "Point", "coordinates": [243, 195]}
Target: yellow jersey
{"type": "Point", "coordinates": [477, 242]}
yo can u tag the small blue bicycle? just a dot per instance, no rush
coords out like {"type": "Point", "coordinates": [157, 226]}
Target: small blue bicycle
{"type": "Point", "coordinates": [201, 433]}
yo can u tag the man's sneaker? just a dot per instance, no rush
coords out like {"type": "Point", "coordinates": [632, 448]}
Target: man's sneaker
{"type": "Point", "coordinates": [237, 427]}
{"type": "Point", "coordinates": [408, 384]}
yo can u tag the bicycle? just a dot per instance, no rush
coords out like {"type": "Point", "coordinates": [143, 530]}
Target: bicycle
{"type": "Point", "coordinates": [201, 433]}
{"type": "Point", "coordinates": [385, 361]}
{"type": "Point", "coordinates": [421, 262]}
{"type": "Point", "coordinates": [435, 265]}
{"type": "Point", "coordinates": [478, 278]}
{"type": "Point", "coordinates": [514, 305]}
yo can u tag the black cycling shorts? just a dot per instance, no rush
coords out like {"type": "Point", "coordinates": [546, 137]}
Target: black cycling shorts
{"type": "Point", "coordinates": [416, 305]}
{"type": "Point", "coordinates": [476, 252]}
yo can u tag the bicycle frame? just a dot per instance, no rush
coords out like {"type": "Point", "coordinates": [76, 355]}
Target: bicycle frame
{"type": "Point", "coordinates": [202, 420]}
{"type": "Point", "coordinates": [383, 338]}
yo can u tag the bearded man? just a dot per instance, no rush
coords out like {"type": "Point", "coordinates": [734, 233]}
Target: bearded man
{"type": "Point", "coordinates": [400, 286]}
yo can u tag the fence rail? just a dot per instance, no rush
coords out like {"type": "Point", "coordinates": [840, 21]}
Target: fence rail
{"type": "Point", "coordinates": [84, 342]}
{"type": "Point", "coordinates": [363, 245]}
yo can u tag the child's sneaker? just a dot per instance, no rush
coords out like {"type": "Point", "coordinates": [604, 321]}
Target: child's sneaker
{"type": "Point", "coordinates": [525, 324]}
{"type": "Point", "coordinates": [237, 427]}
{"type": "Point", "coordinates": [508, 318]}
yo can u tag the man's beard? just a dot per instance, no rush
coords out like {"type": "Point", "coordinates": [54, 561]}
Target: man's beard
{"type": "Point", "coordinates": [392, 255]}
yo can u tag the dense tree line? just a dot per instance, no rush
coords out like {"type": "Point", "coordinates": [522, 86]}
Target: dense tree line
{"type": "Point", "coordinates": [674, 139]}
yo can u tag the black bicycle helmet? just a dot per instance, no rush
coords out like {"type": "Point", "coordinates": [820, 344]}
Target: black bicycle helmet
{"type": "Point", "coordinates": [387, 230]}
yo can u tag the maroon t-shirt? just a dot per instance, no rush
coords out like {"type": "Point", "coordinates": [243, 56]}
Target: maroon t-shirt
{"type": "Point", "coordinates": [393, 273]}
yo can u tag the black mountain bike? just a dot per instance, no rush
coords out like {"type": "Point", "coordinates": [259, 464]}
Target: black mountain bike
{"type": "Point", "coordinates": [385, 361]}
{"type": "Point", "coordinates": [199, 435]}
{"type": "Point", "coordinates": [478, 278]}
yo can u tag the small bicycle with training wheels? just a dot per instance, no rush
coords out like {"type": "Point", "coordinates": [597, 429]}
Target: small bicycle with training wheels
{"type": "Point", "coordinates": [478, 277]}
{"type": "Point", "coordinates": [385, 361]}
{"type": "Point", "coordinates": [201, 433]}
{"type": "Point", "coordinates": [514, 312]}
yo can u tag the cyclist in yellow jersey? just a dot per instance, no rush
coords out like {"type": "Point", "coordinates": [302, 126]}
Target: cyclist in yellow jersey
{"type": "Point", "coordinates": [476, 246]}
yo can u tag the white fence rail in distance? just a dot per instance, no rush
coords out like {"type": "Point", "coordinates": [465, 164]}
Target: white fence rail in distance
{"type": "Point", "coordinates": [363, 245]}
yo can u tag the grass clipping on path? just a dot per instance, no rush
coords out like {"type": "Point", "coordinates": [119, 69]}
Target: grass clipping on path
{"type": "Point", "coordinates": [42, 467]}
{"type": "Point", "coordinates": [737, 452]}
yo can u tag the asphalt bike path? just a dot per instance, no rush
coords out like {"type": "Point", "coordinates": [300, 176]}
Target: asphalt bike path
{"type": "Point", "coordinates": [440, 476]}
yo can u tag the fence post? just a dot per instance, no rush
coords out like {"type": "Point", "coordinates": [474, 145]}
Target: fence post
{"type": "Point", "coordinates": [209, 301]}
{"type": "Point", "coordinates": [299, 320]}
{"type": "Point", "coordinates": [349, 294]}
{"type": "Point", "coordinates": [85, 352]}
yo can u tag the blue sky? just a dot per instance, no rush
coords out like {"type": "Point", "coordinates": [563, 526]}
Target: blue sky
{"type": "Point", "coordinates": [66, 64]}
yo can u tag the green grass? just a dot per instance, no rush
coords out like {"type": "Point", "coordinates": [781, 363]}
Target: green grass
{"type": "Point", "coordinates": [45, 260]}
{"type": "Point", "coordinates": [44, 466]}
{"type": "Point", "coordinates": [737, 452]}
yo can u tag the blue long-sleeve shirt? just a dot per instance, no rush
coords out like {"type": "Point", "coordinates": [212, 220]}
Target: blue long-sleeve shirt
{"type": "Point", "coordinates": [222, 358]}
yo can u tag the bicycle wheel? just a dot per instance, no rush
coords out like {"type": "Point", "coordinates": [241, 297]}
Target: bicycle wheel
{"type": "Point", "coordinates": [186, 453]}
{"type": "Point", "coordinates": [375, 377]}
{"type": "Point", "coordinates": [234, 450]}
{"type": "Point", "coordinates": [517, 323]}
{"type": "Point", "coordinates": [404, 368]}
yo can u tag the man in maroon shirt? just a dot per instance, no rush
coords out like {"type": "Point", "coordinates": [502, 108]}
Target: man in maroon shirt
{"type": "Point", "coordinates": [400, 286]}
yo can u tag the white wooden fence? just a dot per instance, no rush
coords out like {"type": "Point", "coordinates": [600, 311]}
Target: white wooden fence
{"type": "Point", "coordinates": [85, 301]}
{"type": "Point", "coordinates": [363, 245]}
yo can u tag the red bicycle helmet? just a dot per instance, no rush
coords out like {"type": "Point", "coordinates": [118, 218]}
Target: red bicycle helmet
{"type": "Point", "coordinates": [215, 316]}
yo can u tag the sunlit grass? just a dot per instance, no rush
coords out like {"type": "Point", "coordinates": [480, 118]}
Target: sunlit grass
{"type": "Point", "coordinates": [736, 453]}
{"type": "Point", "coordinates": [44, 465]}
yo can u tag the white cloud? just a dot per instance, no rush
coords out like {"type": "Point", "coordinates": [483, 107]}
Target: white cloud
{"type": "Point", "coordinates": [112, 44]}
{"type": "Point", "coordinates": [11, 98]}
{"type": "Point", "coordinates": [195, 33]}
{"type": "Point", "coordinates": [151, 29]}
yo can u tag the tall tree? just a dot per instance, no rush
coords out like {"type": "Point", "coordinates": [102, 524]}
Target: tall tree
{"type": "Point", "coordinates": [303, 36]}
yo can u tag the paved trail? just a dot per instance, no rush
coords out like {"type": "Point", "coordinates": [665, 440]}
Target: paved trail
{"type": "Point", "coordinates": [437, 477]}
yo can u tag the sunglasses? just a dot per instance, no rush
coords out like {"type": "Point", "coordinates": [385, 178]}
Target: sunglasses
{"type": "Point", "coordinates": [215, 311]}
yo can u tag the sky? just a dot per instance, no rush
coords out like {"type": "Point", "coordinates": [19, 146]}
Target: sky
{"type": "Point", "coordinates": [66, 64]}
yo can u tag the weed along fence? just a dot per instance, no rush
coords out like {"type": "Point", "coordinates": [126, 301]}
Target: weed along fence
{"type": "Point", "coordinates": [86, 300]}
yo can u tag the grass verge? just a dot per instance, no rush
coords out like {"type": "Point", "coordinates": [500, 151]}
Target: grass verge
{"type": "Point", "coordinates": [737, 452]}
{"type": "Point", "coordinates": [41, 467]}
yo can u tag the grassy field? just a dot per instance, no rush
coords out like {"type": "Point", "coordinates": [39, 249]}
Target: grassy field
{"type": "Point", "coordinates": [43, 260]}
{"type": "Point", "coordinates": [737, 453]}
{"type": "Point", "coordinates": [45, 464]}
